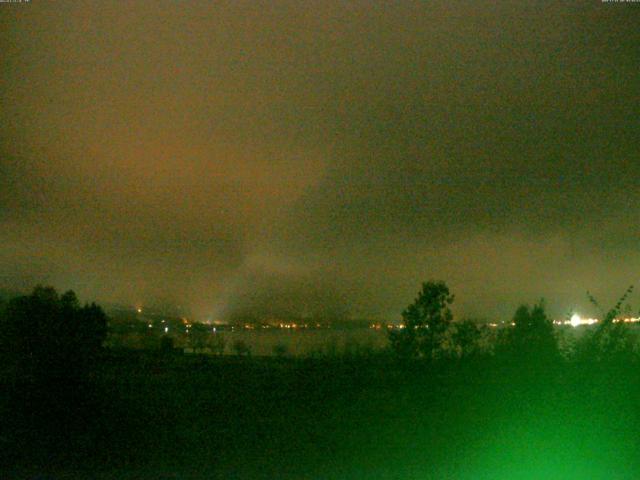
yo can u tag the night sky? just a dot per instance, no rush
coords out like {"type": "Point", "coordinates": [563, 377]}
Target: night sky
{"type": "Point", "coordinates": [321, 158]}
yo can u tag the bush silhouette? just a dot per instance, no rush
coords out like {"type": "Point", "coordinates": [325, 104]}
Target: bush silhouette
{"type": "Point", "coordinates": [611, 339]}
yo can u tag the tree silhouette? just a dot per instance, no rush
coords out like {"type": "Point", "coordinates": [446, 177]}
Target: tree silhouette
{"type": "Point", "coordinates": [466, 338]}
{"type": "Point", "coordinates": [280, 350]}
{"type": "Point", "coordinates": [532, 337]}
{"type": "Point", "coordinates": [424, 322]}
{"type": "Point", "coordinates": [47, 337]}
{"type": "Point", "coordinates": [167, 345]}
{"type": "Point", "coordinates": [217, 343]}
{"type": "Point", "coordinates": [51, 346]}
{"type": "Point", "coordinates": [199, 337]}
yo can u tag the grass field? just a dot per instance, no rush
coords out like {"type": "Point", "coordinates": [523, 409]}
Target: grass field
{"type": "Point", "coordinates": [252, 418]}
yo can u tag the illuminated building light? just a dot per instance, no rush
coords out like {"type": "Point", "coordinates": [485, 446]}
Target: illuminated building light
{"type": "Point", "coordinates": [575, 320]}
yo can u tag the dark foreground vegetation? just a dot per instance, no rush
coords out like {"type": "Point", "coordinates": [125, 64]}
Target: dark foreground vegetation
{"type": "Point", "coordinates": [389, 415]}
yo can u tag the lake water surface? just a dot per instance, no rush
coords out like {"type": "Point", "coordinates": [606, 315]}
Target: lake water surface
{"type": "Point", "coordinates": [303, 342]}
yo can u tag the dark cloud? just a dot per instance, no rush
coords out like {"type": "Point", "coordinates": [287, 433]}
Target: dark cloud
{"type": "Point", "coordinates": [327, 157]}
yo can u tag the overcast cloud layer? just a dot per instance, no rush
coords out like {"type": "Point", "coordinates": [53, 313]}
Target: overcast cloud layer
{"type": "Point", "coordinates": [321, 157]}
